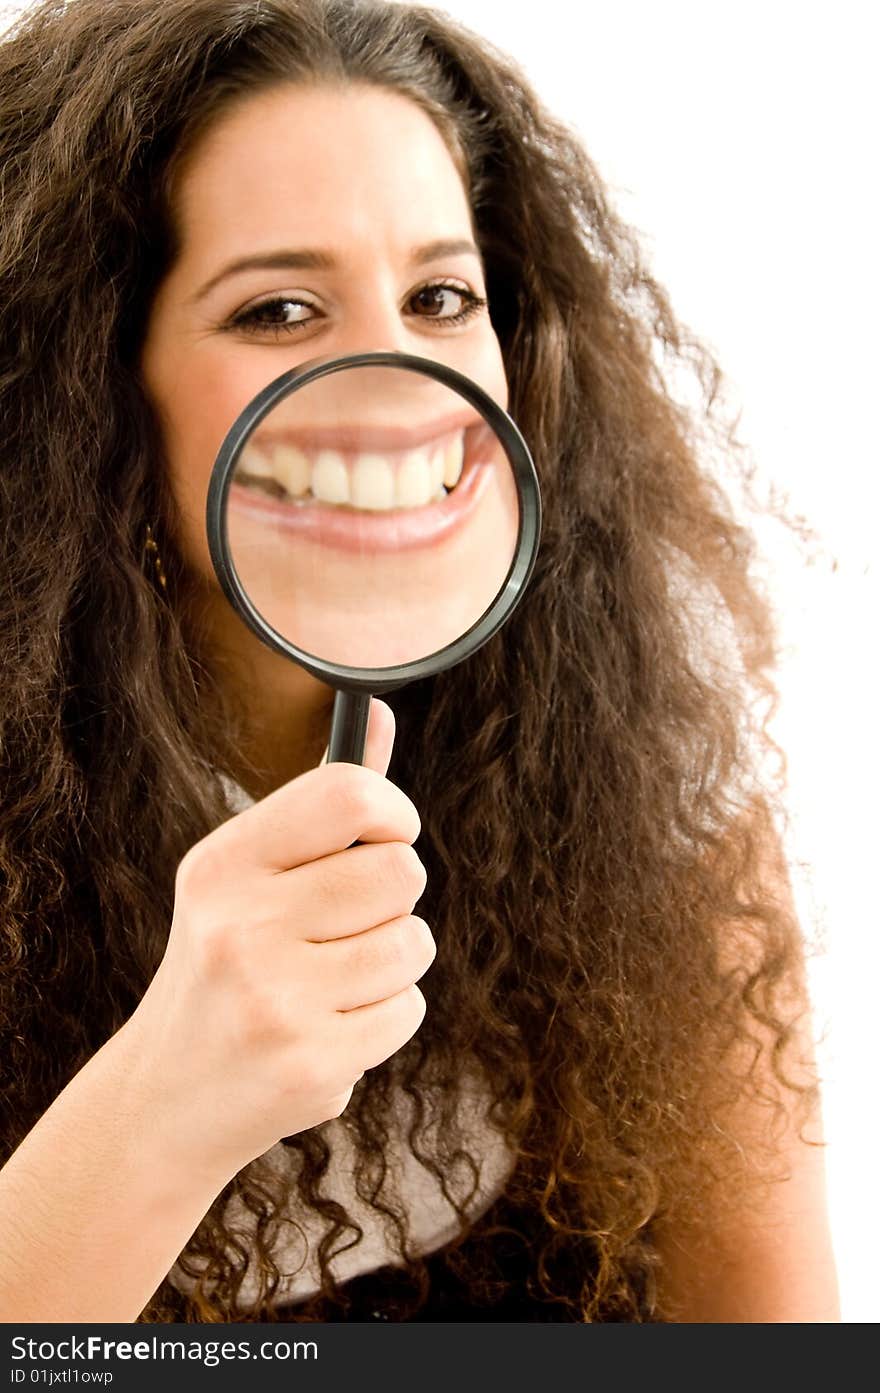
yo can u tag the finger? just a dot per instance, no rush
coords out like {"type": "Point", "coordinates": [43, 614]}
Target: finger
{"type": "Point", "coordinates": [371, 1034]}
{"type": "Point", "coordinates": [375, 965]}
{"type": "Point", "coordinates": [323, 811]}
{"type": "Point", "coordinates": [380, 737]}
{"type": "Point", "coordinates": [347, 893]}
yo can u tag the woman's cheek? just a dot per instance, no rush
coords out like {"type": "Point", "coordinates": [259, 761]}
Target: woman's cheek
{"type": "Point", "coordinates": [483, 363]}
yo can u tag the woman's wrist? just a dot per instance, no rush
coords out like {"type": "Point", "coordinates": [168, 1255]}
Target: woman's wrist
{"type": "Point", "coordinates": [98, 1200]}
{"type": "Point", "coordinates": [161, 1122]}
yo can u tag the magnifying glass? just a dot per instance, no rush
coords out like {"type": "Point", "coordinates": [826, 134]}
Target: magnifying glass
{"type": "Point", "coordinates": [375, 518]}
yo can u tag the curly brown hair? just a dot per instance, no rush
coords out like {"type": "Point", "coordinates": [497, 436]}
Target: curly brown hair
{"type": "Point", "coordinates": [589, 845]}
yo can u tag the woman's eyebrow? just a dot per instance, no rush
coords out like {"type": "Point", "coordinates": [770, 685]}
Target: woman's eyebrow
{"type": "Point", "coordinates": [288, 259]}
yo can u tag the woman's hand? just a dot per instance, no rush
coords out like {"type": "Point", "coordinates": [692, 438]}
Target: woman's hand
{"type": "Point", "coordinates": [291, 963]}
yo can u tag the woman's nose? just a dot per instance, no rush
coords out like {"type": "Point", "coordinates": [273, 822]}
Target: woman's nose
{"type": "Point", "coordinates": [381, 328]}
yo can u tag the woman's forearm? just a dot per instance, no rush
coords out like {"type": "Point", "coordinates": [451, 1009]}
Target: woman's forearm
{"type": "Point", "coordinates": [95, 1204]}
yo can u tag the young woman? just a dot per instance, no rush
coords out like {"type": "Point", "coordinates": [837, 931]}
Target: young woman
{"type": "Point", "coordinates": [599, 1103]}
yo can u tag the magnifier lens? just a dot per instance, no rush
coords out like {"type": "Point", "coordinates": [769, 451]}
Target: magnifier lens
{"type": "Point", "coordinates": [372, 517]}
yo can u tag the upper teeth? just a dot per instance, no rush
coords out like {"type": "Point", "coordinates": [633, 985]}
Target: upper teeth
{"type": "Point", "coordinates": [407, 479]}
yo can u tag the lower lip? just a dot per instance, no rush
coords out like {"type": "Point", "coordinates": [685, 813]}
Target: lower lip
{"type": "Point", "coordinates": [352, 529]}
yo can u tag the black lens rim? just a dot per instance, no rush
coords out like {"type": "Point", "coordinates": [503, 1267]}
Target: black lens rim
{"type": "Point", "coordinates": [383, 679]}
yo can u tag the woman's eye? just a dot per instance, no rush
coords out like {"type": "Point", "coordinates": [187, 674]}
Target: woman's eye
{"type": "Point", "coordinates": [285, 312]}
{"type": "Point", "coordinates": [288, 314]}
{"type": "Point", "coordinates": [450, 303]}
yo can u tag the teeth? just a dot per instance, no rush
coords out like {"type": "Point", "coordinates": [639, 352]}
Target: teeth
{"type": "Point", "coordinates": [368, 481]}
{"type": "Point", "coordinates": [438, 467]}
{"type": "Point", "coordinates": [330, 478]}
{"type": "Point", "coordinates": [292, 470]}
{"type": "Point", "coordinates": [372, 483]}
{"type": "Point", "coordinates": [252, 461]}
{"type": "Point", "coordinates": [453, 462]}
{"type": "Point", "coordinates": [414, 485]}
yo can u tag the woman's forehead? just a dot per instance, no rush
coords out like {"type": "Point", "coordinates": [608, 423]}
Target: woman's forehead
{"type": "Point", "coordinates": [319, 164]}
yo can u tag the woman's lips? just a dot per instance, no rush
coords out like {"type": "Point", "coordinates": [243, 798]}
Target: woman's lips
{"type": "Point", "coordinates": [361, 435]}
{"type": "Point", "coordinates": [346, 528]}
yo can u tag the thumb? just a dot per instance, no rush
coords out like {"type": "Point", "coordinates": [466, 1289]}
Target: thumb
{"type": "Point", "coordinates": [380, 737]}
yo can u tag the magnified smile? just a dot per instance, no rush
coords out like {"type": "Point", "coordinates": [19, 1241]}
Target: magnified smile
{"type": "Point", "coordinates": [366, 487]}
{"type": "Point", "coordinates": [391, 478]}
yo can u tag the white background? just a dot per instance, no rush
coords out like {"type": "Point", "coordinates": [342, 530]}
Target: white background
{"type": "Point", "coordinates": [741, 141]}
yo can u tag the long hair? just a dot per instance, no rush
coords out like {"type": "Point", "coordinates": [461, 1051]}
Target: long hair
{"type": "Point", "coordinates": [583, 781]}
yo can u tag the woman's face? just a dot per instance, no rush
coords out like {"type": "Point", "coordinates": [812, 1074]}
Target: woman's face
{"type": "Point", "coordinates": [323, 221]}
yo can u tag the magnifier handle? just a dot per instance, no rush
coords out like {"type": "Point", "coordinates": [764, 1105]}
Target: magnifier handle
{"type": "Point", "coordinates": [348, 728]}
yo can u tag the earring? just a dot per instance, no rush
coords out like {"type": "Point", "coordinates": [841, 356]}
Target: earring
{"type": "Point", "coordinates": [156, 558]}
